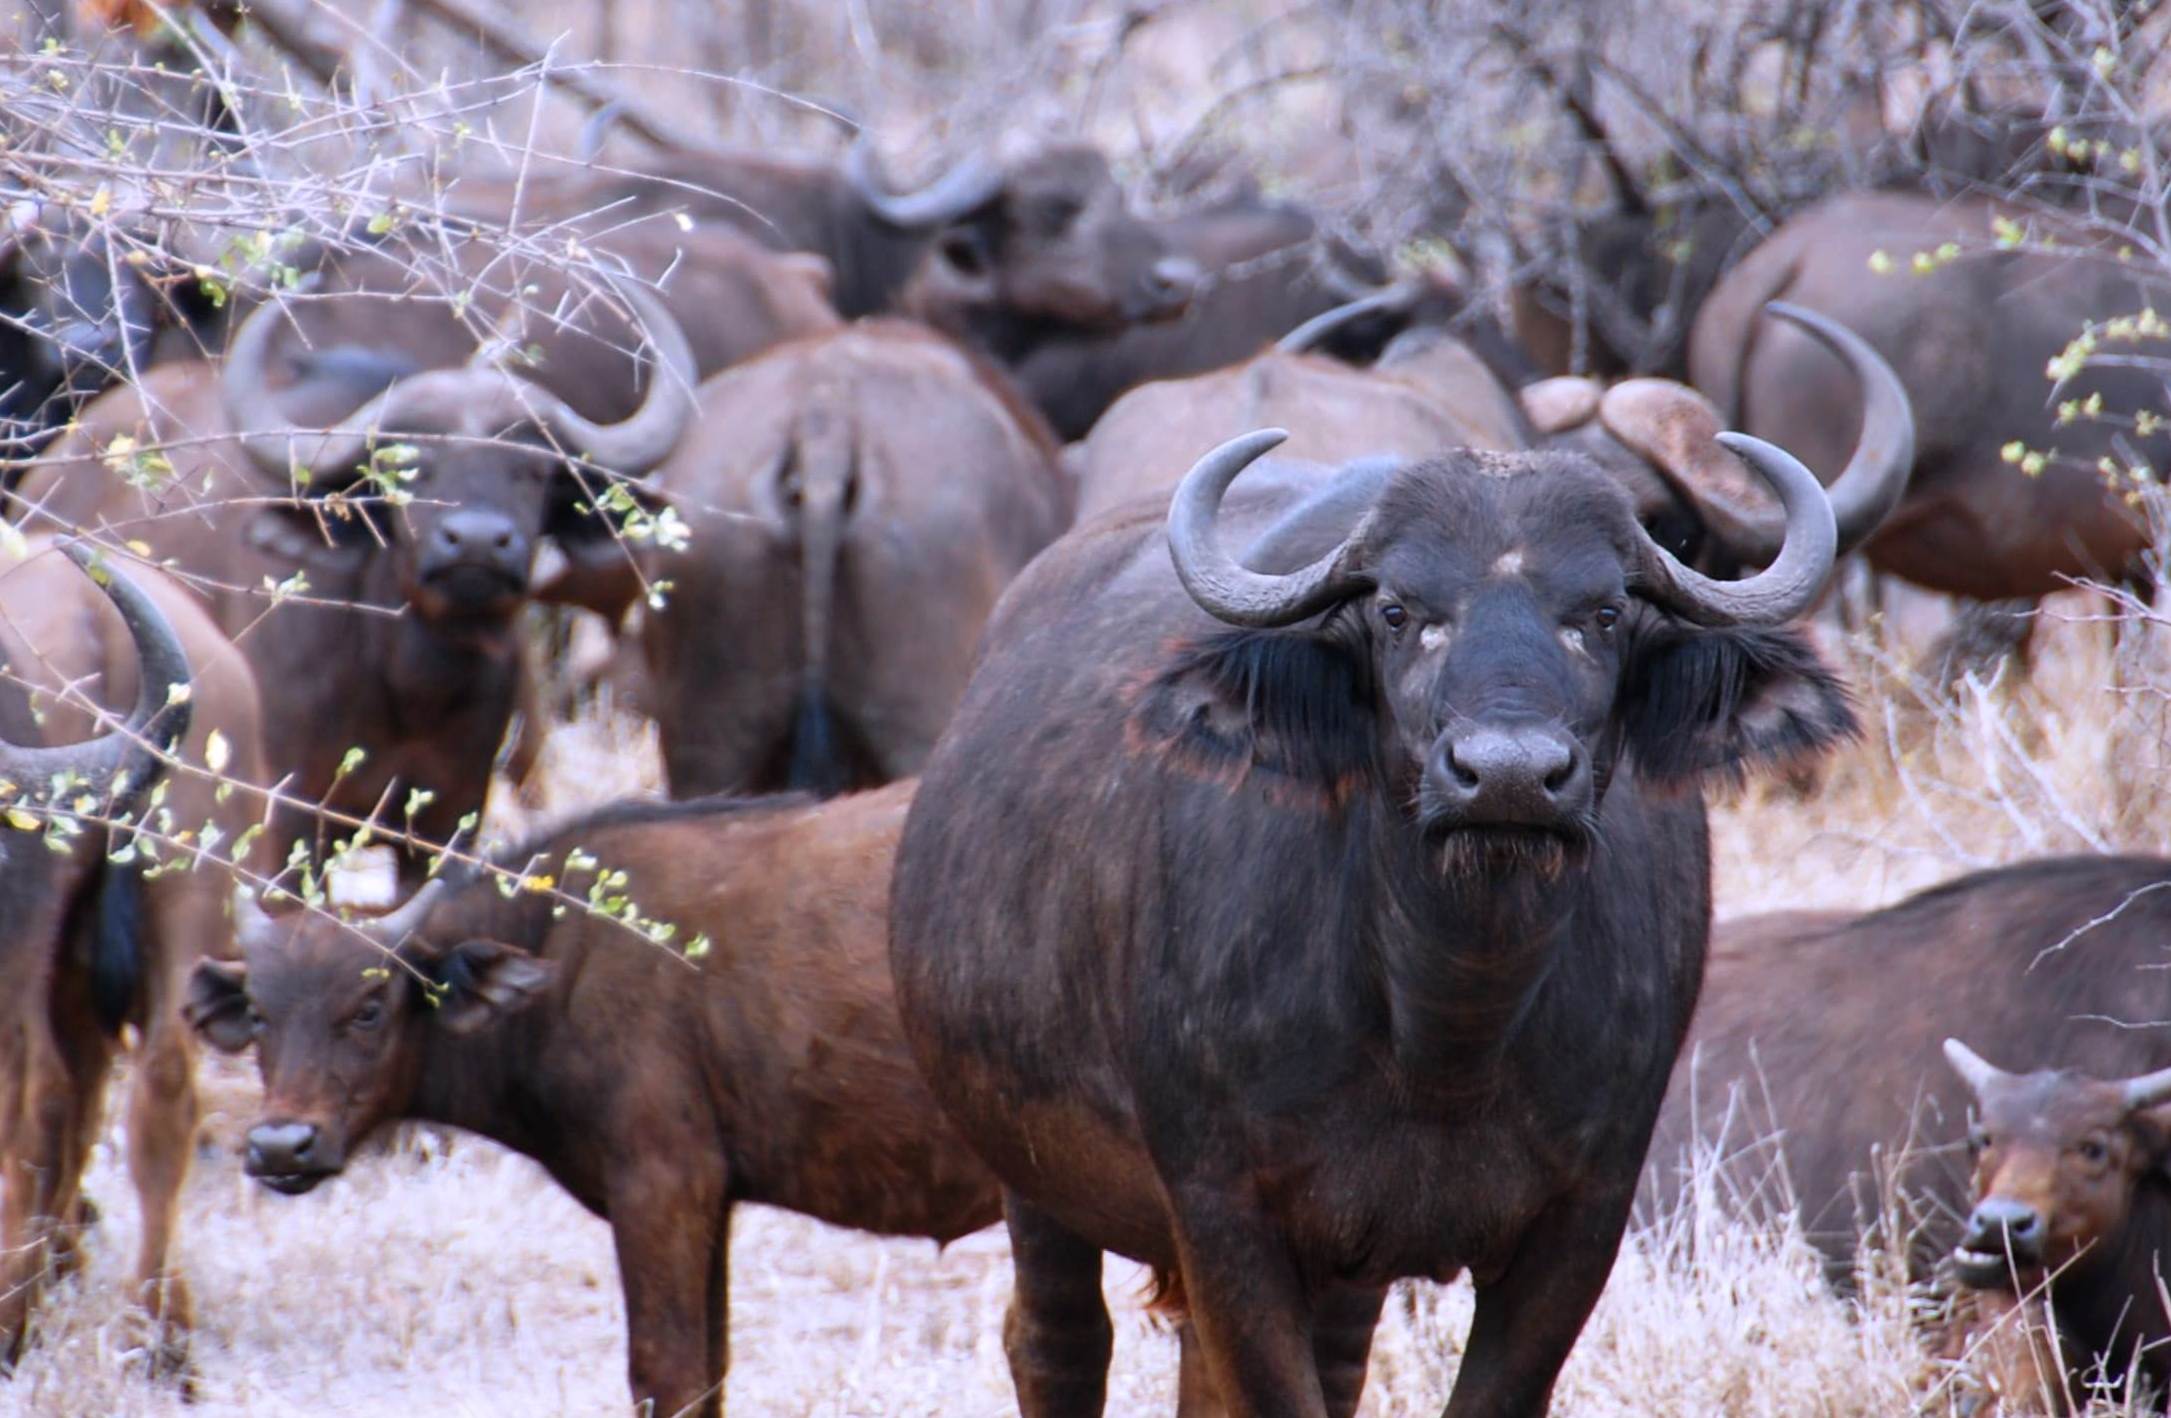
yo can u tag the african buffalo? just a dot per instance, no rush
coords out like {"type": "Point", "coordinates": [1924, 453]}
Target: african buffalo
{"type": "Point", "coordinates": [1970, 337]}
{"type": "Point", "coordinates": [1302, 921]}
{"type": "Point", "coordinates": [2055, 963]}
{"type": "Point", "coordinates": [1265, 268]}
{"type": "Point", "coordinates": [863, 499]}
{"type": "Point", "coordinates": [764, 1065]}
{"type": "Point", "coordinates": [97, 939]}
{"type": "Point", "coordinates": [1429, 390]}
{"type": "Point", "coordinates": [997, 255]}
{"type": "Point", "coordinates": [2072, 1195]}
{"type": "Point", "coordinates": [401, 535]}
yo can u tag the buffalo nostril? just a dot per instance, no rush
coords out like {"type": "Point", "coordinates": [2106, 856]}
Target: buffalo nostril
{"type": "Point", "coordinates": [1561, 776]}
{"type": "Point", "coordinates": [1465, 775]}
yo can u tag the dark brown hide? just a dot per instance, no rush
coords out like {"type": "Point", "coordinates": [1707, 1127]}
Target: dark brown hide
{"type": "Point", "coordinates": [2053, 962]}
{"type": "Point", "coordinates": [857, 503]}
{"type": "Point", "coordinates": [1207, 946]}
{"type": "Point", "coordinates": [92, 945]}
{"type": "Point", "coordinates": [660, 1092]}
{"type": "Point", "coordinates": [1970, 340]}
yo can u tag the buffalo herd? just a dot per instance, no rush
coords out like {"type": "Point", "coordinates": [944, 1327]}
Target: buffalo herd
{"type": "Point", "coordinates": [1292, 873]}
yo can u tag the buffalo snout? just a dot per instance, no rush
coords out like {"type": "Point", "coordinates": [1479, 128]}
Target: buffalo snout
{"type": "Point", "coordinates": [2003, 1235]}
{"type": "Point", "coordinates": [1516, 776]}
{"type": "Point", "coordinates": [288, 1157]}
{"type": "Point", "coordinates": [475, 554]}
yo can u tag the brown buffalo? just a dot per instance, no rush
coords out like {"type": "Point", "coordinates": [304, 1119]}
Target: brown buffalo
{"type": "Point", "coordinates": [766, 1065]}
{"type": "Point", "coordinates": [1429, 390]}
{"type": "Point", "coordinates": [410, 523]}
{"type": "Point", "coordinates": [1245, 902]}
{"type": "Point", "coordinates": [2055, 962]}
{"type": "Point", "coordinates": [74, 317]}
{"type": "Point", "coordinates": [1970, 339]}
{"type": "Point", "coordinates": [103, 934]}
{"type": "Point", "coordinates": [428, 299]}
{"type": "Point", "coordinates": [861, 503]}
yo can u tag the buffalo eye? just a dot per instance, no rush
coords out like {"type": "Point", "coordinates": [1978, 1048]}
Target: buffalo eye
{"type": "Point", "coordinates": [2092, 1151]}
{"type": "Point", "coordinates": [1394, 615]}
{"type": "Point", "coordinates": [369, 1016]}
{"type": "Point", "coordinates": [1607, 617]}
{"type": "Point", "coordinates": [1978, 1141]}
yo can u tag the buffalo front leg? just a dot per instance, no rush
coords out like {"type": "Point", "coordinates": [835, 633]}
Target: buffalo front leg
{"type": "Point", "coordinates": [1530, 1317]}
{"type": "Point", "coordinates": [672, 1233]}
{"type": "Point", "coordinates": [1056, 1334]}
{"type": "Point", "coordinates": [162, 1118]}
{"type": "Point", "coordinates": [1249, 1309]}
{"type": "Point", "coordinates": [1342, 1325]}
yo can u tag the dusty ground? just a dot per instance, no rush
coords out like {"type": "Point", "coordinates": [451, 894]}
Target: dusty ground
{"type": "Point", "coordinates": [443, 1275]}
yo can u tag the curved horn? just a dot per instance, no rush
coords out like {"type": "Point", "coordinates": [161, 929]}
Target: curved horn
{"type": "Point", "coordinates": [403, 920]}
{"type": "Point", "coordinates": [1397, 299]}
{"type": "Point", "coordinates": [263, 429]}
{"type": "Point", "coordinates": [1225, 589]}
{"type": "Point", "coordinates": [2148, 1090]}
{"type": "Point", "coordinates": [129, 758]}
{"type": "Point", "coordinates": [1782, 590]}
{"type": "Point", "coordinates": [1671, 425]}
{"type": "Point", "coordinates": [647, 435]}
{"type": "Point", "coordinates": [1976, 1071]}
{"type": "Point", "coordinates": [966, 187]}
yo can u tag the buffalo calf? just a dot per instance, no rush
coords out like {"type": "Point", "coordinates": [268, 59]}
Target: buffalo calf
{"type": "Point", "coordinates": [764, 1065]}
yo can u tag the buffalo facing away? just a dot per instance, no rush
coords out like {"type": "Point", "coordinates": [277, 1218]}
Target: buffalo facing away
{"type": "Point", "coordinates": [2052, 963]}
{"type": "Point", "coordinates": [400, 532]}
{"type": "Point", "coordinates": [659, 1089]}
{"type": "Point", "coordinates": [1971, 338]}
{"type": "Point", "coordinates": [1301, 920]}
{"type": "Point", "coordinates": [856, 502]}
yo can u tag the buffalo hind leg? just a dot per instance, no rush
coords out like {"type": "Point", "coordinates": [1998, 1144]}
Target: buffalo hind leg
{"type": "Point", "coordinates": [1342, 1325]}
{"type": "Point", "coordinates": [1056, 1334]}
{"type": "Point", "coordinates": [672, 1231]}
{"type": "Point", "coordinates": [1530, 1317]}
{"type": "Point", "coordinates": [162, 1118]}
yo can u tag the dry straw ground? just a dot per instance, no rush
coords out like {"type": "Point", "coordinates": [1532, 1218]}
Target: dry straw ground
{"type": "Point", "coordinates": [443, 1275]}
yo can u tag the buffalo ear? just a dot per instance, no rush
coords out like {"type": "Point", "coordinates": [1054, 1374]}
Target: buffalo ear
{"type": "Point", "coordinates": [479, 981]}
{"type": "Point", "coordinates": [1699, 703]}
{"type": "Point", "coordinates": [217, 1006]}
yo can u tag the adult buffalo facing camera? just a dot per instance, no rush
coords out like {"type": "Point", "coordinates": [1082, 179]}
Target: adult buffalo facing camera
{"type": "Point", "coordinates": [1299, 921]}
{"type": "Point", "coordinates": [371, 562]}
{"type": "Point", "coordinates": [659, 1091]}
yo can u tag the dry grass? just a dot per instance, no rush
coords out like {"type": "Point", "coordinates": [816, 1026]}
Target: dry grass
{"type": "Point", "coordinates": [445, 1275]}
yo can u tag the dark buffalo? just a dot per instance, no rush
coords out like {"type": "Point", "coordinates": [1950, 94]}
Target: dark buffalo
{"type": "Point", "coordinates": [2054, 962]}
{"type": "Point", "coordinates": [1430, 390]}
{"type": "Point", "coordinates": [401, 639]}
{"type": "Point", "coordinates": [861, 503]}
{"type": "Point", "coordinates": [1970, 339]}
{"type": "Point", "coordinates": [658, 1091]}
{"type": "Point", "coordinates": [1302, 922]}
{"type": "Point", "coordinates": [1265, 269]}
{"type": "Point", "coordinates": [998, 255]}
{"type": "Point", "coordinates": [74, 317]}
{"type": "Point", "coordinates": [92, 944]}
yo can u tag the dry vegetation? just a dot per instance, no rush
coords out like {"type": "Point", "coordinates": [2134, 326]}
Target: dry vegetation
{"type": "Point", "coordinates": [444, 1275]}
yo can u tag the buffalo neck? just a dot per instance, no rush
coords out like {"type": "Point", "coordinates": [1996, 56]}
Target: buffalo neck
{"type": "Point", "coordinates": [1463, 957]}
{"type": "Point", "coordinates": [2109, 1304]}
